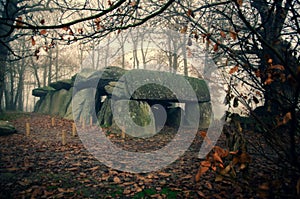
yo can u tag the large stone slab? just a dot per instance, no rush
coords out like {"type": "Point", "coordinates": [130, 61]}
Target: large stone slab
{"type": "Point", "coordinates": [43, 91]}
{"type": "Point", "coordinates": [105, 114]}
{"type": "Point", "coordinates": [62, 84]}
{"type": "Point", "coordinates": [160, 86]}
{"type": "Point", "coordinates": [203, 117]}
{"type": "Point", "coordinates": [6, 128]}
{"type": "Point", "coordinates": [60, 101]}
{"type": "Point", "coordinates": [135, 117]}
{"type": "Point", "coordinates": [98, 78]}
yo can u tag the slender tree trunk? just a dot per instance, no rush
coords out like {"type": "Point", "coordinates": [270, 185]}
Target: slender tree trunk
{"type": "Point", "coordinates": [50, 67]}
{"type": "Point", "coordinates": [56, 64]}
{"type": "Point", "coordinates": [36, 73]}
{"type": "Point", "coordinates": [9, 12]}
{"type": "Point", "coordinates": [185, 67]}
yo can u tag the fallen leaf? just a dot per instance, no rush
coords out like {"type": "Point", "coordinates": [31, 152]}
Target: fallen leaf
{"type": "Point", "coordinates": [234, 69]}
{"type": "Point", "coordinates": [117, 180]}
{"type": "Point", "coordinates": [216, 47]}
{"type": "Point", "coordinates": [287, 117]}
{"type": "Point", "coordinates": [43, 32]}
{"type": "Point", "coordinates": [233, 35]}
{"type": "Point", "coordinates": [94, 168]}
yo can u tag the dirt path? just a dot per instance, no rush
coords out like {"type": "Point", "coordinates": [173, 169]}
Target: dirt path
{"type": "Point", "coordinates": [39, 166]}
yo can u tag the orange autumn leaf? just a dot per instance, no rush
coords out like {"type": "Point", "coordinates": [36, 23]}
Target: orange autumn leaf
{"type": "Point", "coordinates": [71, 32]}
{"type": "Point", "coordinates": [223, 34]}
{"type": "Point", "coordinates": [233, 152]}
{"type": "Point", "coordinates": [203, 134]}
{"type": "Point", "coordinates": [233, 35]}
{"type": "Point", "coordinates": [216, 47]}
{"type": "Point", "coordinates": [33, 41]}
{"type": "Point", "coordinates": [268, 81]}
{"type": "Point", "coordinates": [214, 168]}
{"type": "Point", "coordinates": [278, 67]}
{"type": "Point", "coordinates": [80, 30]}
{"type": "Point", "coordinates": [183, 29]}
{"type": "Point", "coordinates": [221, 152]}
{"type": "Point", "coordinates": [217, 158]}
{"type": "Point", "coordinates": [287, 117]}
{"type": "Point", "coordinates": [234, 69]}
{"type": "Point", "coordinates": [190, 13]}
{"type": "Point", "coordinates": [133, 3]}
{"type": "Point", "coordinates": [240, 2]}
{"type": "Point", "coordinates": [270, 61]}
{"type": "Point", "coordinates": [257, 73]}
{"type": "Point", "coordinates": [19, 21]}
{"type": "Point", "coordinates": [205, 163]}
{"type": "Point", "coordinates": [200, 172]}
{"type": "Point", "coordinates": [66, 28]}
{"type": "Point", "coordinates": [43, 32]}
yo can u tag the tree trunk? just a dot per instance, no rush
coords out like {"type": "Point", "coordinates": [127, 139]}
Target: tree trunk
{"type": "Point", "coordinates": [50, 67]}
{"type": "Point", "coordinates": [279, 95]}
{"type": "Point", "coordinates": [9, 12]}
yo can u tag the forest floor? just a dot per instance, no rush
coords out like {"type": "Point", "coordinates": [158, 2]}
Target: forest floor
{"type": "Point", "coordinates": [39, 166]}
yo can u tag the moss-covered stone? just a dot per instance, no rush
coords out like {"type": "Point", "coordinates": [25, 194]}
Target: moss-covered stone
{"type": "Point", "coordinates": [62, 84]}
{"type": "Point", "coordinates": [164, 86]}
{"type": "Point", "coordinates": [43, 91]}
{"type": "Point", "coordinates": [60, 102]}
{"type": "Point", "coordinates": [105, 114]}
{"type": "Point", "coordinates": [6, 128]}
{"type": "Point", "coordinates": [201, 118]}
{"type": "Point", "coordinates": [174, 116]}
{"type": "Point", "coordinates": [135, 116]}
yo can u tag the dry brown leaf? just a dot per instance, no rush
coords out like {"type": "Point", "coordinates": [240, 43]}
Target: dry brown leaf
{"type": "Point", "coordinates": [72, 169]}
{"type": "Point", "coordinates": [133, 3]}
{"type": "Point", "coordinates": [203, 134]}
{"type": "Point", "coordinates": [257, 73]}
{"type": "Point", "coordinates": [201, 194]}
{"type": "Point", "coordinates": [234, 69]}
{"type": "Point", "coordinates": [278, 67]}
{"type": "Point", "coordinates": [183, 30]}
{"type": "Point", "coordinates": [190, 13]}
{"type": "Point", "coordinates": [233, 35]}
{"type": "Point", "coordinates": [240, 2]}
{"type": "Point", "coordinates": [217, 158]}
{"type": "Point", "coordinates": [43, 32]}
{"type": "Point", "coordinates": [218, 178]}
{"type": "Point", "coordinates": [200, 172]}
{"type": "Point", "coordinates": [223, 34]}
{"type": "Point", "coordinates": [268, 81]}
{"type": "Point", "coordinates": [164, 174]}
{"type": "Point", "coordinates": [265, 186]}
{"type": "Point", "coordinates": [33, 41]}
{"type": "Point", "coordinates": [117, 180]}
{"type": "Point", "coordinates": [287, 117]}
{"type": "Point", "coordinates": [205, 163]}
{"type": "Point", "coordinates": [94, 168]}
{"type": "Point", "coordinates": [208, 185]}
{"type": "Point", "coordinates": [19, 21]}
{"type": "Point", "coordinates": [216, 47]}
{"type": "Point", "coordinates": [222, 152]}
